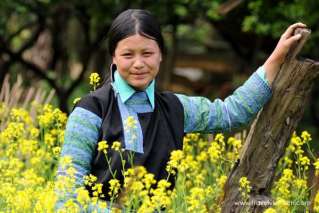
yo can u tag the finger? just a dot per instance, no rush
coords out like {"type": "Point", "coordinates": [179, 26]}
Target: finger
{"type": "Point", "coordinates": [293, 39]}
{"type": "Point", "coordinates": [291, 29]}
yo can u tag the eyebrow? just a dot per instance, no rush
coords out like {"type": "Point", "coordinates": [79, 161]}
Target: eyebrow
{"type": "Point", "coordinates": [144, 49]}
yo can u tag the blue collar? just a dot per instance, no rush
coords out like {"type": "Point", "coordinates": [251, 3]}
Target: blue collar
{"type": "Point", "coordinates": [126, 91]}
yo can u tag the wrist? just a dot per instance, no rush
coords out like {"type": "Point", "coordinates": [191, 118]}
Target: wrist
{"type": "Point", "coordinates": [271, 67]}
{"type": "Point", "coordinates": [274, 60]}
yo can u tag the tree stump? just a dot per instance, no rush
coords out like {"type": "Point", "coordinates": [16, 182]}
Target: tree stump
{"type": "Point", "coordinates": [271, 131]}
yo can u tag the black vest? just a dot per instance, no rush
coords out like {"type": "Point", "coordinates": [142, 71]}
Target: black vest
{"type": "Point", "coordinates": [163, 131]}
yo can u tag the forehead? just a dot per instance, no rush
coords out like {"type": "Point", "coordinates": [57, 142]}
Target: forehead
{"type": "Point", "coordinates": [137, 42]}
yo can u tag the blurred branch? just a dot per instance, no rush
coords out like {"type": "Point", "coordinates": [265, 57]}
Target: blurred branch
{"type": "Point", "coordinates": [35, 36]}
{"type": "Point", "coordinates": [101, 36]}
{"type": "Point", "coordinates": [33, 67]}
{"type": "Point", "coordinates": [92, 47]}
{"type": "Point", "coordinates": [84, 19]}
{"type": "Point", "coordinates": [228, 6]}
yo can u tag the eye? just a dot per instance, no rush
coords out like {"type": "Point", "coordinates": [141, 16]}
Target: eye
{"type": "Point", "coordinates": [127, 55]}
{"type": "Point", "coordinates": [146, 54]}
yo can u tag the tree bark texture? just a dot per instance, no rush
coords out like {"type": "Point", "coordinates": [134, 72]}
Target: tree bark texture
{"type": "Point", "coordinates": [270, 133]}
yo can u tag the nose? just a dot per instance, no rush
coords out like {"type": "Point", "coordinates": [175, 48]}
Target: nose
{"type": "Point", "coordinates": [138, 63]}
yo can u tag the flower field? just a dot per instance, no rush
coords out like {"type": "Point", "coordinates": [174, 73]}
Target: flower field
{"type": "Point", "coordinates": [30, 146]}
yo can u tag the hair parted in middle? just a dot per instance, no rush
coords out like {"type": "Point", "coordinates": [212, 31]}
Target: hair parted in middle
{"type": "Point", "coordinates": [131, 22]}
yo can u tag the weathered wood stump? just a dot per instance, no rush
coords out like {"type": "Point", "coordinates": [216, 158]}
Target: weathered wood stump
{"type": "Point", "coordinates": [271, 131]}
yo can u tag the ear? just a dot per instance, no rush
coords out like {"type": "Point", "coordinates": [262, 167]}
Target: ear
{"type": "Point", "coordinates": [160, 57]}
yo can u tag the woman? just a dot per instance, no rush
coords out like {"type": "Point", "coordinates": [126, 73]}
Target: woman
{"type": "Point", "coordinates": [161, 119]}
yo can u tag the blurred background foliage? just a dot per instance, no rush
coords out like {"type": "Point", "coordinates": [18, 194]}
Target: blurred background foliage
{"type": "Point", "coordinates": [212, 45]}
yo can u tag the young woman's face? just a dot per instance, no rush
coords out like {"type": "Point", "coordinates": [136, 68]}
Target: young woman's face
{"type": "Point", "coordinates": [137, 59]}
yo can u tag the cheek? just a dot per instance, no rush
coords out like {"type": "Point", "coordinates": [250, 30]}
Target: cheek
{"type": "Point", "coordinates": [155, 63]}
{"type": "Point", "coordinates": [123, 65]}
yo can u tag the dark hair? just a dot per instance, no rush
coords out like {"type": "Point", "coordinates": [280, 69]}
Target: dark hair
{"type": "Point", "coordinates": [131, 22]}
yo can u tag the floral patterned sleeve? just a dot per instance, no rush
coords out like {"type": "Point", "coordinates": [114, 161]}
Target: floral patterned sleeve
{"type": "Point", "coordinates": [80, 141]}
{"type": "Point", "coordinates": [202, 115]}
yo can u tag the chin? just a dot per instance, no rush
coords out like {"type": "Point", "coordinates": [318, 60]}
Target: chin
{"type": "Point", "coordinates": [140, 85]}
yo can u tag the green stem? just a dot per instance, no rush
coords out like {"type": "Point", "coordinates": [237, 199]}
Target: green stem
{"type": "Point", "coordinates": [109, 165]}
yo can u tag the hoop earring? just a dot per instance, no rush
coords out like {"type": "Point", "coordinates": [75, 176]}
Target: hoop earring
{"type": "Point", "coordinates": [112, 71]}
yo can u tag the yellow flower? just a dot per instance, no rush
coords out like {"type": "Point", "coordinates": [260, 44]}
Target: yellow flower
{"type": "Point", "coordinates": [94, 80]}
{"type": "Point", "coordinates": [234, 142]}
{"type": "Point", "coordinates": [20, 115]}
{"type": "Point", "coordinates": [97, 190]}
{"type": "Point", "coordinates": [90, 179]}
{"type": "Point", "coordinates": [196, 200]}
{"type": "Point", "coordinates": [149, 180]}
{"type": "Point", "coordinates": [291, 147]}
{"type": "Point", "coordinates": [137, 186]}
{"type": "Point", "coordinates": [71, 171]}
{"type": "Point", "coordinates": [244, 187]}
{"type": "Point", "coordinates": [288, 161]}
{"type": "Point", "coordinates": [221, 181]}
{"type": "Point", "coordinates": [214, 152]}
{"type": "Point", "coordinates": [71, 206]}
{"type": "Point", "coordinates": [30, 178]}
{"type": "Point", "coordinates": [194, 136]}
{"type": "Point", "coordinates": [175, 160]}
{"type": "Point", "coordinates": [288, 174]}
{"type": "Point", "coordinates": [163, 184]}
{"type": "Point", "coordinates": [243, 182]}
{"type": "Point", "coordinates": [284, 183]}
{"type": "Point", "coordinates": [83, 196]}
{"type": "Point", "coordinates": [303, 161]}
{"type": "Point", "coordinates": [219, 137]}
{"type": "Point", "coordinates": [116, 146]}
{"type": "Point", "coordinates": [161, 194]}
{"type": "Point", "coordinates": [49, 140]}
{"type": "Point", "coordinates": [300, 183]}
{"type": "Point", "coordinates": [76, 100]}
{"type": "Point", "coordinates": [316, 203]}
{"type": "Point", "coordinates": [299, 151]}
{"type": "Point", "coordinates": [102, 205]}
{"type": "Point", "coordinates": [270, 210]}
{"type": "Point", "coordinates": [202, 156]}
{"type": "Point", "coordinates": [306, 136]}
{"type": "Point", "coordinates": [103, 146]}
{"type": "Point", "coordinates": [130, 122]}
{"type": "Point", "coordinates": [282, 203]}
{"type": "Point", "coordinates": [56, 150]}
{"type": "Point", "coordinates": [52, 118]}
{"type": "Point", "coordinates": [34, 132]}
{"type": "Point", "coordinates": [140, 171]}
{"type": "Point", "coordinates": [199, 179]}
{"type": "Point", "coordinates": [28, 147]}
{"type": "Point", "coordinates": [65, 161]}
{"type": "Point", "coordinates": [114, 187]}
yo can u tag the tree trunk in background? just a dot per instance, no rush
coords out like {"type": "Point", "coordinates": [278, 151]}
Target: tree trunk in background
{"type": "Point", "coordinates": [168, 66]}
{"type": "Point", "coordinates": [271, 132]}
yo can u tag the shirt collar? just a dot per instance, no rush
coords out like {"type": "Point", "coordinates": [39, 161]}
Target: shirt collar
{"type": "Point", "coordinates": [126, 91]}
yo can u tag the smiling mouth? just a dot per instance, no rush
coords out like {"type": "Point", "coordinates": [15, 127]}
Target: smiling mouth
{"type": "Point", "coordinates": [139, 75]}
